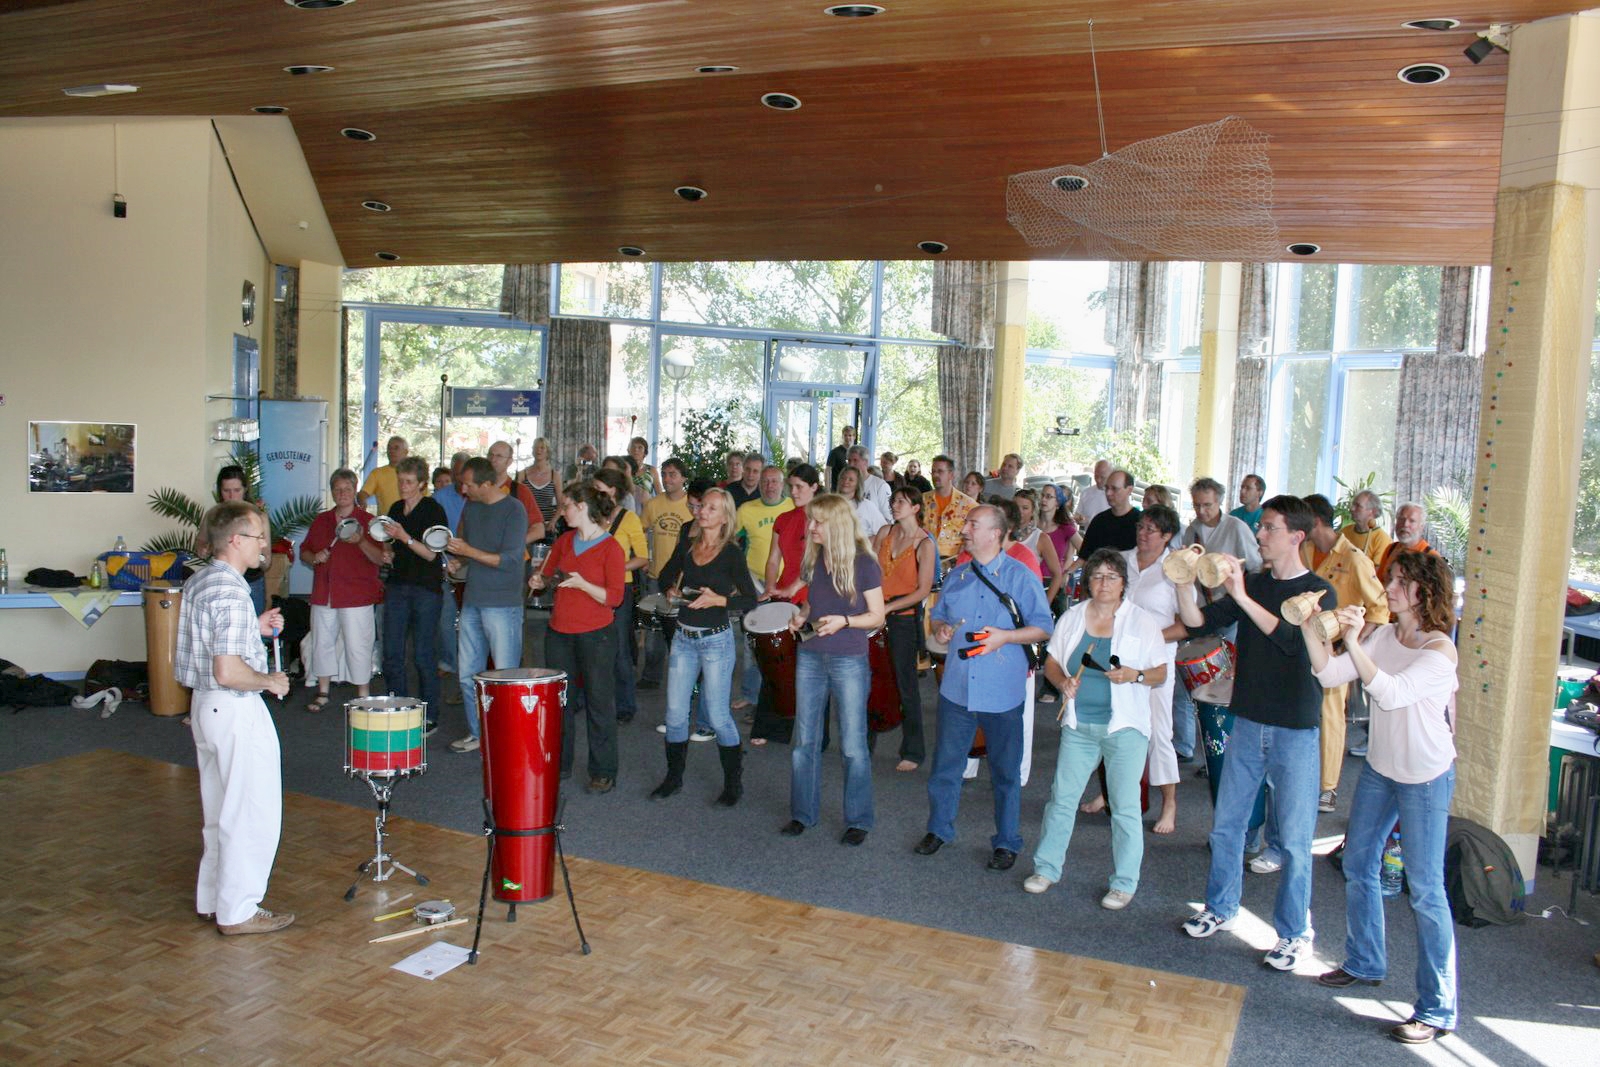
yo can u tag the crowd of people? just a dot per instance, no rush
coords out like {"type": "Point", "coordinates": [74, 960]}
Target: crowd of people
{"type": "Point", "coordinates": [1013, 596]}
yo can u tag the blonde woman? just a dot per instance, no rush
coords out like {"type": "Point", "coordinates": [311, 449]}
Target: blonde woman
{"type": "Point", "coordinates": [708, 567]}
{"type": "Point", "coordinates": [544, 482]}
{"type": "Point", "coordinates": [844, 603]}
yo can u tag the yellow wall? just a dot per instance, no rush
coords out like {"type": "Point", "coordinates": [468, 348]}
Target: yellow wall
{"type": "Point", "coordinates": [112, 320]}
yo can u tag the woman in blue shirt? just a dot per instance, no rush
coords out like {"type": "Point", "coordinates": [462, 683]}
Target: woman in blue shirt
{"type": "Point", "coordinates": [844, 603]}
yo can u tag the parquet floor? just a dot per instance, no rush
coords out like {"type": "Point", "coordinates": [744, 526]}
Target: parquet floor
{"type": "Point", "coordinates": [102, 959]}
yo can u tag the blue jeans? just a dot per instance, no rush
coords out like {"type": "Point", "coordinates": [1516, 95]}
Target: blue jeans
{"type": "Point", "coordinates": [447, 632]}
{"type": "Point", "coordinates": [622, 637]}
{"type": "Point", "coordinates": [1183, 720]}
{"type": "Point", "coordinates": [1293, 760]}
{"type": "Point", "coordinates": [411, 609]}
{"type": "Point", "coordinates": [1424, 810]}
{"type": "Point", "coordinates": [708, 660]}
{"type": "Point", "coordinates": [817, 676]}
{"type": "Point", "coordinates": [1003, 732]}
{"type": "Point", "coordinates": [750, 673]}
{"type": "Point", "coordinates": [486, 632]}
{"type": "Point", "coordinates": [1082, 749]}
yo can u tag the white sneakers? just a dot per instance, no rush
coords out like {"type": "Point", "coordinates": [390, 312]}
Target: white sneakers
{"type": "Point", "coordinates": [1288, 952]}
{"type": "Point", "coordinates": [1207, 923]}
{"type": "Point", "coordinates": [1036, 883]}
{"type": "Point", "coordinates": [1265, 862]}
{"type": "Point", "coordinates": [464, 744]}
{"type": "Point", "coordinates": [1116, 900]}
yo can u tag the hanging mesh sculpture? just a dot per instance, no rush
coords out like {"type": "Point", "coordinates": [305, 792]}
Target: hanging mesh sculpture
{"type": "Point", "coordinates": [1204, 193]}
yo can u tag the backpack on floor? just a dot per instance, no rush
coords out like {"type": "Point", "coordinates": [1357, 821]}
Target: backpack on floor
{"type": "Point", "coordinates": [1481, 876]}
{"type": "Point", "coordinates": [130, 676]}
{"type": "Point", "coordinates": [35, 691]}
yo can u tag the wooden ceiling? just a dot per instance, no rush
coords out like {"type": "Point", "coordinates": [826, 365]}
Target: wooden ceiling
{"type": "Point", "coordinates": [556, 130]}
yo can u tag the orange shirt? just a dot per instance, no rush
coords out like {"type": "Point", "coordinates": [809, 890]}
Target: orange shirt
{"type": "Point", "coordinates": [899, 572]}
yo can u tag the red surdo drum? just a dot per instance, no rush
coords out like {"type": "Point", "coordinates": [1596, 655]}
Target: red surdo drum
{"type": "Point", "coordinates": [520, 710]}
{"type": "Point", "coordinates": [767, 628]}
{"type": "Point", "coordinates": [883, 698]}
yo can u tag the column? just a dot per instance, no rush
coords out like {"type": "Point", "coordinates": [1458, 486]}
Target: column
{"type": "Point", "coordinates": [1535, 378]}
{"type": "Point", "coordinates": [1219, 355]}
{"type": "Point", "coordinates": [1010, 359]}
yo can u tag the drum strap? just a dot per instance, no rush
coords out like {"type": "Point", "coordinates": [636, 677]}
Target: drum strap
{"type": "Point", "coordinates": [545, 831]}
{"type": "Point", "coordinates": [1035, 656]}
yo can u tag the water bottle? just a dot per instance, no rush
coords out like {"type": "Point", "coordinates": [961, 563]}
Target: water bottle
{"type": "Point", "coordinates": [121, 545]}
{"type": "Point", "coordinates": [5, 571]}
{"type": "Point", "coordinates": [1392, 874]}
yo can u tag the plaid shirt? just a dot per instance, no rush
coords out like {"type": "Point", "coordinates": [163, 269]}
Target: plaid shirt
{"type": "Point", "coordinates": [216, 618]}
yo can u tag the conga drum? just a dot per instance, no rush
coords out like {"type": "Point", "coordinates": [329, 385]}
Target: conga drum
{"type": "Point", "coordinates": [883, 698]}
{"type": "Point", "coordinates": [520, 710]}
{"type": "Point", "coordinates": [161, 602]}
{"type": "Point", "coordinates": [775, 647]}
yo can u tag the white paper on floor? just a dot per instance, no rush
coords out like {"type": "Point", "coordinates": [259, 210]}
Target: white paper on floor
{"type": "Point", "coordinates": [441, 957]}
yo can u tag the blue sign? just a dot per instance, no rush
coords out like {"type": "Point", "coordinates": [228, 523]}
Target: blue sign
{"type": "Point", "coordinates": [502, 403]}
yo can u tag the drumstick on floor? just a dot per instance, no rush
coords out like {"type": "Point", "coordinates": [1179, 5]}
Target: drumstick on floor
{"type": "Point", "coordinates": [416, 930]}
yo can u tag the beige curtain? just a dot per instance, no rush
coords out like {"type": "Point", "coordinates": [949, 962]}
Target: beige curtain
{"type": "Point", "coordinates": [525, 292]}
{"type": "Point", "coordinates": [1436, 423]}
{"type": "Point", "coordinates": [1136, 316]}
{"type": "Point", "coordinates": [1455, 309]}
{"type": "Point", "coordinates": [1255, 322]}
{"type": "Point", "coordinates": [965, 298]}
{"type": "Point", "coordinates": [964, 404]}
{"type": "Point", "coordinates": [575, 395]}
{"type": "Point", "coordinates": [1248, 451]}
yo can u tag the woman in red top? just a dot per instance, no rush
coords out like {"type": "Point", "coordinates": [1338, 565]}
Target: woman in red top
{"type": "Point", "coordinates": [789, 539]}
{"type": "Point", "coordinates": [344, 588]}
{"type": "Point", "coordinates": [586, 565]}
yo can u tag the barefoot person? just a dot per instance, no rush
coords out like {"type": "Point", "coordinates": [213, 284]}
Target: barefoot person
{"type": "Point", "coordinates": [221, 658]}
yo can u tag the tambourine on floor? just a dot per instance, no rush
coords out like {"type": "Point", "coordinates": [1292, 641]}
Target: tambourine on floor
{"type": "Point", "coordinates": [118, 967]}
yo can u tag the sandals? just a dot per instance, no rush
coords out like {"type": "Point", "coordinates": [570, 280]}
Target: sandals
{"type": "Point", "coordinates": [317, 703]}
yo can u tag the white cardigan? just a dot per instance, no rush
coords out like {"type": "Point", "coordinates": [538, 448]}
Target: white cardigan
{"type": "Point", "coordinates": [1136, 642]}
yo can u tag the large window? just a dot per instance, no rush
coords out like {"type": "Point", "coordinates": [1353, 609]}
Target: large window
{"type": "Point", "coordinates": [1300, 406]}
{"type": "Point", "coordinates": [711, 371]}
{"type": "Point", "coordinates": [1067, 307]}
{"type": "Point", "coordinates": [469, 286]}
{"type": "Point", "coordinates": [628, 410]}
{"type": "Point", "coordinates": [1066, 401]}
{"type": "Point", "coordinates": [1180, 405]}
{"type": "Point", "coordinates": [1365, 445]}
{"type": "Point", "coordinates": [803, 296]}
{"type": "Point", "coordinates": [908, 402]}
{"type": "Point", "coordinates": [606, 290]}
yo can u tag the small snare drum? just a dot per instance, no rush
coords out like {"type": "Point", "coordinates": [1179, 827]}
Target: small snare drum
{"type": "Point", "coordinates": [659, 613]}
{"type": "Point", "coordinates": [383, 737]}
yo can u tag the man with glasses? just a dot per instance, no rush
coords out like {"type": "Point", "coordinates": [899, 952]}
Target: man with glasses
{"type": "Point", "coordinates": [985, 682]}
{"type": "Point", "coordinates": [1216, 532]}
{"type": "Point", "coordinates": [1277, 709]}
{"type": "Point", "coordinates": [1118, 525]}
{"type": "Point", "coordinates": [221, 658]}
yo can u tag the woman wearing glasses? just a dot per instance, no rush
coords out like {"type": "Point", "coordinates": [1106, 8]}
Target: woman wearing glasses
{"type": "Point", "coordinates": [1106, 656]}
{"type": "Point", "coordinates": [344, 589]}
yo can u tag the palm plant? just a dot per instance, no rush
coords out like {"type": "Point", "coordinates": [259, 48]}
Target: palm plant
{"type": "Point", "coordinates": [285, 520]}
{"type": "Point", "coordinates": [1341, 507]}
{"type": "Point", "coordinates": [1449, 516]}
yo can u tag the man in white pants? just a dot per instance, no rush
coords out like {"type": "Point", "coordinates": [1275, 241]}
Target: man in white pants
{"type": "Point", "coordinates": [221, 658]}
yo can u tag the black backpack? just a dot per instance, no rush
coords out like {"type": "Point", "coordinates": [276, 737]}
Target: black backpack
{"type": "Point", "coordinates": [36, 691]}
{"type": "Point", "coordinates": [1481, 876]}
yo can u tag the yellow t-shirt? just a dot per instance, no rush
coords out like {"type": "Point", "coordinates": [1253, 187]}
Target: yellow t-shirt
{"type": "Point", "coordinates": [630, 535]}
{"type": "Point", "coordinates": [663, 519]}
{"type": "Point", "coordinates": [755, 522]}
{"type": "Point", "coordinates": [383, 483]}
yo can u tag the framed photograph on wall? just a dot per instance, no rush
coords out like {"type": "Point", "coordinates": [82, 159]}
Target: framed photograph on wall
{"type": "Point", "coordinates": [80, 457]}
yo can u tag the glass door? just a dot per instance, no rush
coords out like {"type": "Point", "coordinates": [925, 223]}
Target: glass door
{"type": "Point", "coordinates": [807, 421]}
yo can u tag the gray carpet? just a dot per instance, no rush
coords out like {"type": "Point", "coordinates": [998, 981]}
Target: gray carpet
{"type": "Point", "coordinates": [1538, 973]}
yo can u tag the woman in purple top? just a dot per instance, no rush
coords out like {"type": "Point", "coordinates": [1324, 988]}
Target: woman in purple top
{"type": "Point", "coordinates": [844, 604]}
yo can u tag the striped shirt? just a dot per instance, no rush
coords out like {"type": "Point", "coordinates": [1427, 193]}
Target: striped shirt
{"type": "Point", "coordinates": [216, 618]}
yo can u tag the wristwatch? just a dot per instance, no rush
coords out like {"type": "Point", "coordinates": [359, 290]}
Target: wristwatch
{"type": "Point", "coordinates": [1139, 677]}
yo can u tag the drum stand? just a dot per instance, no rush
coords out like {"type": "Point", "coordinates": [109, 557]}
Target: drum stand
{"type": "Point", "coordinates": [489, 832]}
{"type": "Point", "coordinates": [382, 866]}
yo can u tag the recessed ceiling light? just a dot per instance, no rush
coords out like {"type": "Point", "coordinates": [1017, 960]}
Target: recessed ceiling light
{"type": "Point", "coordinates": [100, 90]}
{"type": "Point", "coordinates": [358, 135]}
{"type": "Point", "coordinates": [715, 68]}
{"type": "Point", "coordinates": [269, 109]}
{"type": "Point", "coordinates": [387, 257]}
{"type": "Point", "coordinates": [1304, 248]}
{"type": "Point", "coordinates": [307, 68]}
{"type": "Point", "coordinates": [780, 101]}
{"type": "Point", "coordinates": [376, 205]}
{"type": "Point", "coordinates": [933, 248]}
{"type": "Point", "coordinates": [317, 5]}
{"type": "Point", "coordinates": [853, 11]}
{"type": "Point", "coordinates": [1431, 24]}
{"type": "Point", "coordinates": [632, 251]}
{"type": "Point", "coordinates": [1423, 73]}
{"type": "Point", "coordinates": [691, 193]}
{"type": "Point", "coordinates": [1071, 183]}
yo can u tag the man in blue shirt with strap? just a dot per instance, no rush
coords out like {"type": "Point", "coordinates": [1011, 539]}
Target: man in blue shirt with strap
{"type": "Point", "coordinates": [984, 688]}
